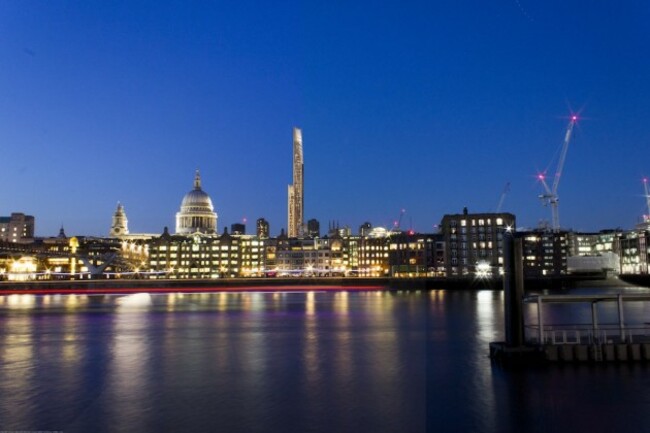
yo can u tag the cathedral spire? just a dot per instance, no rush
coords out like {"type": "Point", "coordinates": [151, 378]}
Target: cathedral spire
{"type": "Point", "coordinates": [120, 225]}
{"type": "Point", "coordinates": [197, 180]}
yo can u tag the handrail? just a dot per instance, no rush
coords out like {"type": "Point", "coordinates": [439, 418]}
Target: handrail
{"type": "Point", "coordinates": [585, 334]}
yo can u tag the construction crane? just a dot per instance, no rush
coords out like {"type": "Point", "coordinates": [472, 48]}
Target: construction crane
{"type": "Point", "coordinates": [506, 190]}
{"type": "Point", "coordinates": [398, 222]}
{"type": "Point", "coordinates": [646, 218]}
{"type": "Point", "coordinates": [550, 196]}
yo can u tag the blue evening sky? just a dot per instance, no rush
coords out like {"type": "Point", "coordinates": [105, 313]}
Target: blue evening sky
{"type": "Point", "coordinates": [427, 106]}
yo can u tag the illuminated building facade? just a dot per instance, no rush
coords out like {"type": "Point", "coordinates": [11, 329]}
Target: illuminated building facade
{"type": "Point", "coordinates": [295, 210]}
{"type": "Point", "coordinates": [195, 256]}
{"type": "Point", "coordinates": [252, 259]}
{"type": "Point", "coordinates": [634, 252]}
{"type": "Point", "coordinates": [196, 214]}
{"type": "Point", "coordinates": [594, 252]}
{"type": "Point", "coordinates": [415, 255]}
{"type": "Point", "coordinates": [61, 258]}
{"type": "Point", "coordinates": [373, 260]}
{"type": "Point", "coordinates": [17, 228]}
{"type": "Point", "coordinates": [263, 230]}
{"type": "Point", "coordinates": [544, 253]}
{"type": "Point", "coordinates": [208, 256]}
{"type": "Point", "coordinates": [593, 244]}
{"type": "Point", "coordinates": [309, 257]}
{"type": "Point", "coordinates": [473, 239]}
{"type": "Point", "coordinates": [350, 254]}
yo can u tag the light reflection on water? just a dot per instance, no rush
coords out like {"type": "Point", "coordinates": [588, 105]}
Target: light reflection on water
{"type": "Point", "coordinates": [285, 362]}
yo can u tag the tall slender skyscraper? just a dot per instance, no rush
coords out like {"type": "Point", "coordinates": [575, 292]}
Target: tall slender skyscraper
{"type": "Point", "coordinates": [296, 196]}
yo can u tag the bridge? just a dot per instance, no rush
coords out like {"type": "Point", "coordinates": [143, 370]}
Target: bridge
{"type": "Point", "coordinates": [95, 260]}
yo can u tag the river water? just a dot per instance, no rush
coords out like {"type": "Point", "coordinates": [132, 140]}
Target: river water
{"type": "Point", "coordinates": [341, 361]}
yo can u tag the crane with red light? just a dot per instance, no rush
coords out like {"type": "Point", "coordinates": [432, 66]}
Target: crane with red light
{"type": "Point", "coordinates": [398, 222]}
{"type": "Point", "coordinates": [550, 196]}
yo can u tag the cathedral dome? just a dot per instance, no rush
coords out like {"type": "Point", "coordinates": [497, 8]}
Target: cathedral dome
{"type": "Point", "coordinates": [198, 200]}
{"type": "Point", "coordinates": [197, 212]}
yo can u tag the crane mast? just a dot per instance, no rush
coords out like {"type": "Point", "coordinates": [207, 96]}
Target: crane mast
{"type": "Point", "coordinates": [398, 222]}
{"type": "Point", "coordinates": [550, 196]}
{"type": "Point", "coordinates": [506, 190]}
{"type": "Point", "coordinates": [646, 218]}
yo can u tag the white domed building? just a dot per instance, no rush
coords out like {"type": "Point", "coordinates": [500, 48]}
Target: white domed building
{"type": "Point", "coordinates": [197, 213]}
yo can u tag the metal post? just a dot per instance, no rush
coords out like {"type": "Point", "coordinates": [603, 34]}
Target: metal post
{"type": "Point", "coordinates": [540, 320]}
{"type": "Point", "coordinates": [513, 289]}
{"type": "Point", "coordinates": [594, 320]}
{"type": "Point", "coordinates": [620, 317]}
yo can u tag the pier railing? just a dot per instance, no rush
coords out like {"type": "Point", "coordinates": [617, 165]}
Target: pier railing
{"type": "Point", "coordinates": [541, 333]}
{"type": "Point", "coordinates": [586, 334]}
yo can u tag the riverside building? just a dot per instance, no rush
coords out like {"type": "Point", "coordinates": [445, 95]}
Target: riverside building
{"type": "Point", "coordinates": [635, 254]}
{"type": "Point", "coordinates": [474, 242]}
{"type": "Point", "coordinates": [545, 253]}
{"type": "Point", "coordinates": [17, 228]}
{"type": "Point", "coordinates": [309, 257]}
{"type": "Point", "coordinates": [194, 256]}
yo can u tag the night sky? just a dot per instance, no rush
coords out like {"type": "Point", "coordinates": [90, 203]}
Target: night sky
{"type": "Point", "coordinates": [425, 106]}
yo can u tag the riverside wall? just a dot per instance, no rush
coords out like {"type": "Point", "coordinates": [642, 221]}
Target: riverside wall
{"type": "Point", "coordinates": [243, 284]}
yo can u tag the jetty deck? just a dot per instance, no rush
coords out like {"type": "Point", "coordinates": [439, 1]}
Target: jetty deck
{"type": "Point", "coordinates": [620, 340]}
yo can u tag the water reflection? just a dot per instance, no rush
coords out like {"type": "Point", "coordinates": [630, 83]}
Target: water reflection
{"type": "Point", "coordinates": [278, 362]}
{"type": "Point", "coordinates": [18, 369]}
{"type": "Point", "coordinates": [310, 344]}
{"type": "Point", "coordinates": [136, 301]}
{"type": "Point", "coordinates": [20, 301]}
{"type": "Point", "coordinates": [129, 363]}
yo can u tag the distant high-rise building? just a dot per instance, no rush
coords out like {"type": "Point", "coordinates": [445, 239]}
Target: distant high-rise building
{"type": "Point", "coordinates": [313, 228]}
{"type": "Point", "coordinates": [335, 229]}
{"type": "Point", "coordinates": [262, 228]}
{"type": "Point", "coordinates": [296, 194]}
{"type": "Point", "coordinates": [120, 225]}
{"type": "Point", "coordinates": [364, 229]}
{"type": "Point", "coordinates": [16, 228]}
{"type": "Point", "coordinates": [238, 229]}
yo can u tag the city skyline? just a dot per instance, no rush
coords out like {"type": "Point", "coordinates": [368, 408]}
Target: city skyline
{"type": "Point", "coordinates": [427, 108]}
